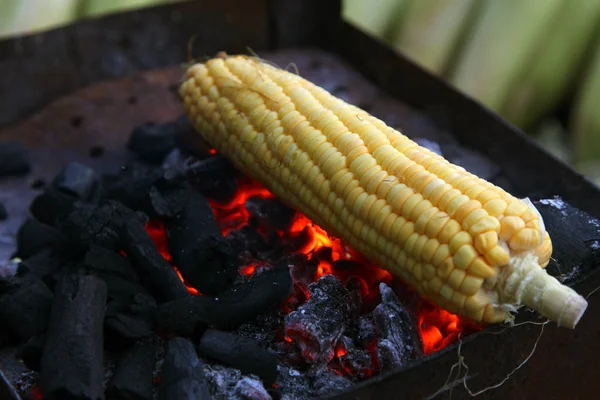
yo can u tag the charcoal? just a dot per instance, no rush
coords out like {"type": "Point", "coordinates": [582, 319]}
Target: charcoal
{"type": "Point", "coordinates": [31, 352]}
{"type": "Point", "coordinates": [3, 212]}
{"type": "Point", "coordinates": [317, 325]}
{"type": "Point", "coordinates": [104, 261]}
{"type": "Point", "coordinates": [203, 256]}
{"type": "Point", "coordinates": [77, 180]}
{"type": "Point", "coordinates": [152, 268]}
{"type": "Point", "coordinates": [13, 283]}
{"type": "Point", "coordinates": [399, 341]}
{"type": "Point", "coordinates": [366, 332]}
{"type": "Point", "coordinates": [239, 352]}
{"type": "Point", "coordinates": [357, 362]}
{"type": "Point", "coordinates": [317, 382]}
{"type": "Point", "coordinates": [215, 177]}
{"type": "Point", "coordinates": [168, 196]}
{"type": "Point", "coordinates": [472, 161]}
{"type": "Point", "coordinates": [122, 289]}
{"type": "Point", "coordinates": [132, 184]}
{"type": "Point", "coordinates": [127, 322]}
{"type": "Point", "coordinates": [133, 375]}
{"type": "Point", "coordinates": [250, 389]}
{"type": "Point", "coordinates": [34, 236]}
{"type": "Point", "coordinates": [270, 211]}
{"type": "Point", "coordinates": [101, 225]}
{"type": "Point", "coordinates": [575, 239]}
{"type": "Point", "coordinates": [26, 311]}
{"type": "Point", "coordinates": [239, 304]}
{"type": "Point", "coordinates": [14, 159]}
{"type": "Point", "coordinates": [152, 142]}
{"type": "Point", "coordinates": [53, 206]}
{"type": "Point", "coordinates": [429, 144]}
{"type": "Point", "coordinates": [72, 362]}
{"type": "Point", "coordinates": [44, 265]}
{"type": "Point", "coordinates": [182, 375]}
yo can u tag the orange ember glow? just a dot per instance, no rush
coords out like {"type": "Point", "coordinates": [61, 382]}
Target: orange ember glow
{"type": "Point", "coordinates": [438, 328]}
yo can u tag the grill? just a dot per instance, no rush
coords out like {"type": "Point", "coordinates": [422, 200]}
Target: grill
{"type": "Point", "coordinates": [75, 94]}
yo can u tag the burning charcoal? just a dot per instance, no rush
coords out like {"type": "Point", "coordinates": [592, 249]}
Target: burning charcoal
{"type": "Point", "coordinates": [3, 212]}
{"type": "Point", "coordinates": [152, 268]}
{"type": "Point", "coordinates": [181, 375]}
{"type": "Point", "coordinates": [366, 332]}
{"type": "Point", "coordinates": [14, 159]}
{"type": "Point", "coordinates": [238, 352]}
{"type": "Point", "coordinates": [270, 212]}
{"type": "Point", "coordinates": [72, 363]}
{"type": "Point", "coordinates": [214, 177]}
{"type": "Point", "coordinates": [250, 389]}
{"type": "Point", "coordinates": [429, 144]}
{"type": "Point", "coordinates": [239, 304]}
{"type": "Point", "coordinates": [203, 256]}
{"type": "Point", "coordinates": [326, 381]}
{"type": "Point", "coordinates": [399, 341]}
{"type": "Point", "coordinates": [357, 362]}
{"type": "Point", "coordinates": [127, 322]}
{"type": "Point", "coordinates": [132, 184]}
{"type": "Point", "coordinates": [77, 180]}
{"type": "Point", "coordinates": [472, 161]}
{"type": "Point", "coordinates": [34, 236]}
{"type": "Point", "coordinates": [99, 225]}
{"type": "Point", "coordinates": [318, 382]}
{"type": "Point", "coordinates": [132, 379]}
{"type": "Point", "coordinates": [52, 206]}
{"type": "Point", "coordinates": [317, 325]}
{"type": "Point", "coordinates": [104, 261]}
{"type": "Point", "coordinates": [152, 142]}
{"type": "Point", "coordinates": [31, 352]}
{"type": "Point", "coordinates": [26, 311]}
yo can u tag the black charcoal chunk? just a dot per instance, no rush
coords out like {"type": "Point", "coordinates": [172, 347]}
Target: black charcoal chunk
{"type": "Point", "coordinates": [133, 375]}
{"type": "Point", "coordinates": [77, 180]}
{"type": "Point", "coordinates": [129, 321]}
{"type": "Point", "coordinates": [34, 236]}
{"type": "Point", "coordinates": [317, 325]}
{"type": "Point", "coordinates": [45, 265]}
{"type": "Point", "coordinates": [14, 159]}
{"type": "Point", "coordinates": [98, 224]}
{"type": "Point", "coordinates": [31, 352]}
{"type": "Point", "coordinates": [270, 212]}
{"type": "Point", "coordinates": [26, 311]}
{"type": "Point", "coordinates": [357, 362]}
{"type": "Point", "coordinates": [53, 206]}
{"type": "Point", "coordinates": [158, 275]}
{"type": "Point", "coordinates": [101, 260]}
{"type": "Point", "coordinates": [152, 142]}
{"type": "Point", "coordinates": [241, 303]}
{"type": "Point", "coordinates": [132, 184]}
{"type": "Point", "coordinates": [399, 341]}
{"type": "Point", "coordinates": [182, 375]}
{"type": "Point", "coordinates": [3, 212]}
{"type": "Point", "coordinates": [205, 259]}
{"type": "Point", "coordinates": [239, 352]}
{"type": "Point", "coordinates": [168, 196]}
{"type": "Point", "coordinates": [575, 239]}
{"type": "Point", "coordinates": [72, 363]}
{"type": "Point", "coordinates": [319, 381]}
{"type": "Point", "coordinates": [215, 177]}
{"type": "Point", "coordinates": [122, 289]}
{"type": "Point", "coordinates": [13, 283]}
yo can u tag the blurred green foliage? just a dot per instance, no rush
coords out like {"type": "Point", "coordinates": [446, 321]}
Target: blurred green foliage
{"type": "Point", "coordinates": [535, 62]}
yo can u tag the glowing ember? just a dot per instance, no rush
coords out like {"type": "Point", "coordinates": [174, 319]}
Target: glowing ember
{"type": "Point", "coordinates": [438, 328]}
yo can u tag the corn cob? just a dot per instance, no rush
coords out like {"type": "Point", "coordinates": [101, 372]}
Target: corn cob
{"type": "Point", "coordinates": [458, 240]}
